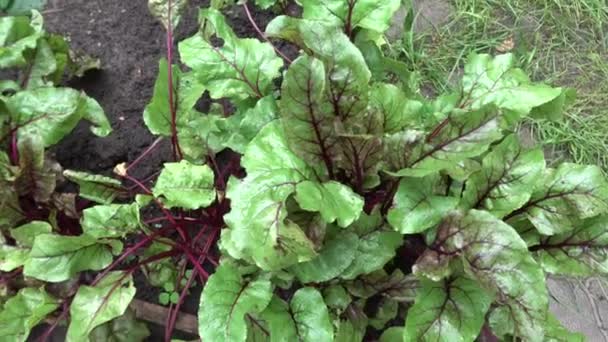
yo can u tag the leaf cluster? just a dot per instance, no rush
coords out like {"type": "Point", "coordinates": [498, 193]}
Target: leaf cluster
{"type": "Point", "coordinates": [357, 208]}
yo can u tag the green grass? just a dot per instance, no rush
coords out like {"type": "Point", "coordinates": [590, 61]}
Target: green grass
{"type": "Point", "coordinates": [561, 42]}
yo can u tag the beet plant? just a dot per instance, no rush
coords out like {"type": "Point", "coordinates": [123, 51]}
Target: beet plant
{"type": "Point", "coordinates": [345, 205]}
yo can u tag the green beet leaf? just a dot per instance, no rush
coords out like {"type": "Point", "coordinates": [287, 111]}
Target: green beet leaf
{"type": "Point", "coordinates": [56, 258]}
{"type": "Point", "coordinates": [168, 12]}
{"type": "Point", "coordinates": [125, 328]}
{"type": "Point", "coordinates": [346, 331]}
{"type": "Point", "coordinates": [24, 311]}
{"type": "Point", "coordinates": [12, 257]}
{"type": "Point", "coordinates": [95, 305]}
{"type": "Point", "coordinates": [185, 185]}
{"type": "Point", "coordinates": [26, 234]}
{"type": "Point", "coordinates": [419, 204]}
{"type": "Point", "coordinates": [496, 257]}
{"type": "Point", "coordinates": [110, 221]}
{"type": "Point", "coordinates": [305, 318]}
{"type": "Point", "coordinates": [96, 188]}
{"type": "Point", "coordinates": [336, 297]}
{"type": "Point", "coordinates": [10, 214]}
{"type": "Point", "coordinates": [507, 179]}
{"type": "Point", "coordinates": [240, 68]}
{"type": "Point", "coordinates": [460, 136]}
{"type": "Point", "coordinates": [187, 90]}
{"type": "Point", "coordinates": [452, 310]}
{"type": "Point", "coordinates": [392, 334]}
{"type": "Point", "coordinates": [333, 259]}
{"type": "Point", "coordinates": [258, 229]}
{"type": "Point", "coordinates": [398, 111]}
{"type": "Point", "coordinates": [556, 332]}
{"type": "Point", "coordinates": [347, 14]}
{"type": "Point", "coordinates": [265, 4]}
{"type": "Point", "coordinates": [377, 245]}
{"type": "Point", "coordinates": [566, 195]}
{"type": "Point", "coordinates": [334, 201]}
{"type": "Point", "coordinates": [52, 113]}
{"type": "Point", "coordinates": [582, 251]}
{"type": "Point", "coordinates": [307, 118]}
{"type": "Point", "coordinates": [17, 36]}
{"type": "Point", "coordinates": [386, 311]}
{"type": "Point", "coordinates": [347, 81]}
{"type": "Point", "coordinates": [496, 81]}
{"type": "Point", "coordinates": [227, 298]}
{"type": "Point", "coordinates": [38, 175]}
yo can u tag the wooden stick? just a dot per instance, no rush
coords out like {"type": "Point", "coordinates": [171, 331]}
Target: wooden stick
{"type": "Point", "coordinates": [156, 314]}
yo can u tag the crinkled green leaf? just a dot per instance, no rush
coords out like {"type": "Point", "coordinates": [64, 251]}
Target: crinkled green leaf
{"type": "Point", "coordinates": [305, 318]}
{"type": "Point", "coordinates": [419, 204]}
{"type": "Point", "coordinates": [346, 84]}
{"type": "Point", "coordinates": [399, 111]}
{"type": "Point", "coordinates": [310, 315]}
{"type": "Point", "coordinates": [187, 90]}
{"type": "Point", "coordinates": [55, 258]}
{"type": "Point", "coordinates": [503, 327]}
{"type": "Point", "coordinates": [506, 180]}
{"type": "Point", "coordinates": [265, 4]}
{"type": "Point", "coordinates": [96, 188]}
{"type": "Point", "coordinates": [386, 310]}
{"type": "Point", "coordinates": [392, 334]}
{"type": "Point", "coordinates": [496, 257]}
{"type": "Point", "coordinates": [18, 35]}
{"type": "Point", "coordinates": [346, 331]}
{"type": "Point", "coordinates": [240, 68]}
{"type": "Point", "coordinates": [336, 297]}
{"type": "Point", "coordinates": [52, 113]}
{"type": "Point", "coordinates": [450, 310]}
{"type": "Point", "coordinates": [555, 332]}
{"type": "Point", "coordinates": [333, 259]}
{"type": "Point", "coordinates": [92, 112]}
{"type": "Point", "coordinates": [281, 324]}
{"type": "Point", "coordinates": [347, 14]}
{"type": "Point", "coordinates": [38, 175]}
{"type": "Point", "coordinates": [24, 311]}
{"type": "Point", "coordinates": [361, 158]}
{"type": "Point", "coordinates": [225, 301]}
{"type": "Point", "coordinates": [258, 229]}
{"type": "Point", "coordinates": [110, 221]}
{"type": "Point", "coordinates": [251, 122]}
{"type": "Point", "coordinates": [10, 212]}
{"type": "Point", "coordinates": [376, 246]}
{"type": "Point", "coordinates": [95, 305]}
{"type": "Point", "coordinates": [496, 81]}
{"type": "Point", "coordinates": [12, 257]}
{"type": "Point", "coordinates": [185, 185]}
{"type": "Point", "coordinates": [25, 234]}
{"type": "Point", "coordinates": [582, 251]}
{"type": "Point", "coordinates": [307, 118]}
{"type": "Point", "coordinates": [43, 65]}
{"type": "Point", "coordinates": [168, 12]}
{"type": "Point", "coordinates": [383, 67]}
{"type": "Point", "coordinates": [396, 286]}
{"type": "Point", "coordinates": [335, 201]}
{"type": "Point", "coordinates": [125, 328]}
{"type": "Point", "coordinates": [460, 136]}
{"type": "Point", "coordinates": [564, 196]}
{"type": "Point", "coordinates": [554, 109]}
